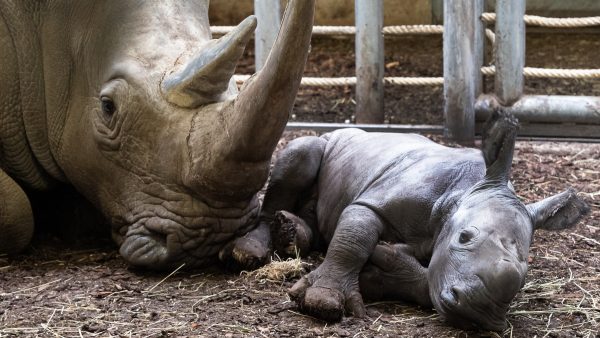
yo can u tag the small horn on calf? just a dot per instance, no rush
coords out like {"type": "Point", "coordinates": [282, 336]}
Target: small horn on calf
{"type": "Point", "coordinates": [498, 143]}
{"type": "Point", "coordinates": [207, 76]}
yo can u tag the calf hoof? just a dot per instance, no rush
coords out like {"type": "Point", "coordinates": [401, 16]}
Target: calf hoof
{"type": "Point", "coordinates": [292, 235]}
{"type": "Point", "coordinates": [244, 253]}
{"type": "Point", "coordinates": [324, 303]}
{"type": "Point", "coordinates": [327, 303]}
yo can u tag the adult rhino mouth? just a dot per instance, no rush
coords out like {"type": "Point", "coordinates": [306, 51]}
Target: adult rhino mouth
{"type": "Point", "coordinates": [146, 248]}
{"type": "Point", "coordinates": [160, 238]}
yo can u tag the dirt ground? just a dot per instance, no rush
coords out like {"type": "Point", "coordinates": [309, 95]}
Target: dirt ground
{"type": "Point", "coordinates": [71, 286]}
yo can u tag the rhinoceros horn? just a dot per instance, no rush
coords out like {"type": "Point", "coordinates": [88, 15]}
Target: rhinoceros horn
{"type": "Point", "coordinates": [262, 109]}
{"type": "Point", "coordinates": [206, 77]}
{"type": "Point", "coordinates": [254, 119]}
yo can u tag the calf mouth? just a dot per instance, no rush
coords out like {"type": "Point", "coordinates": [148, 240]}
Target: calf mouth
{"type": "Point", "coordinates": [460, 310]}
{"type": "Point", "coordinates": [470, 319]}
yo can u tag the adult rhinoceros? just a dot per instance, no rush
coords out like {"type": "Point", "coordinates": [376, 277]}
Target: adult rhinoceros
{"type": "Point", "coordinates": [133, 104]}
{"type": "Point", "coordinates": [459, 235]}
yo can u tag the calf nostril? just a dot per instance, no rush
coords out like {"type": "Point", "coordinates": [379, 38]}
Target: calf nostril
{"type": "Point", "coordinates": [450, 296]}
{"type": "Point", "coordinates": [456, 294]}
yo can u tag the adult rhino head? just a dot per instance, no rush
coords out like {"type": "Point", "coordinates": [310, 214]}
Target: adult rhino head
{"type": "Point", "coordinates": [479, 260]}
{"type": "Point", "coordinates": [144, 119]}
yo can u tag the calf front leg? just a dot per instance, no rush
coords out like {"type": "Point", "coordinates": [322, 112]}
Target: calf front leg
{"type": "Point", "coordinates": [16, 218]}
{"type": "Point", "coordinates": [290, 186]}
{"type": "Point", "coordinates": [293, 235]}
{"type": "Point", "coordinates": [333, 287]}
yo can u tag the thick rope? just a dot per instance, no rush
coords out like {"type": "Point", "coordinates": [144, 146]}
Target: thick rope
{"type": "Point", "coordinates": [413, 29]}
{"type": "Point", "coordinates": [529, 72]}
{"type": "Point", "coordinates": [540, 21]}
{"type": "Point", "coordinates": [491, 36]}
{"type": "Point", "coordinates": [436, 29]}
{"type": "Point", "coordinates": [351, 30]}
{"type": "Point", "coordinates": [531, 20]}
{"type": "Point", "coordinates": [351, 81]}
{"type": "Point", "coordinates": [414, 81]}
{"type": "Point", "coordinates": [551, 73]}
{"type": "Point", "coordinates": [334, 30]}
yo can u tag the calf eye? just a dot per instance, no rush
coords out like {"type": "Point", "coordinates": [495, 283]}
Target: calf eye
{"type": "Point", "coordinates": [108, 107]}
{"type": "Point", "coordinates": [465, 236]}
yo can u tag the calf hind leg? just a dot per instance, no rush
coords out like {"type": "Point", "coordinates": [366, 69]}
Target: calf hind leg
{"type": "Point", "coordinates": [393, 273]}
{"type": "Point", "coordinates": [289, 191]}
{"type": "Point", "coordinates": [16, 218]}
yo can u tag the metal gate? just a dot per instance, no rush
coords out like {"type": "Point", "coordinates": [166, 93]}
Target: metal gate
{"type": "Point", "coordinates": [465, 35]}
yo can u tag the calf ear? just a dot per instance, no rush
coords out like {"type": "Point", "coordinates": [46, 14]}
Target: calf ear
{"type": "Point", "coordinates": [498, 144]}
{"type": "Point", "coordinates": [558, 212]}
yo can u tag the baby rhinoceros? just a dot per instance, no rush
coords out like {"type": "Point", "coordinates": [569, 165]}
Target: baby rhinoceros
{"type": "Point", "coordinates": [460, 234]}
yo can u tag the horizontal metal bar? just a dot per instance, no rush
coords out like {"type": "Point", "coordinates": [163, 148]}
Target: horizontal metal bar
{"type": "Point", "coordinates": [546, 109]}
{"type": "Point", "coordinates": [555, 131]}
{"type": "Point", "coordinates": [395, 128]}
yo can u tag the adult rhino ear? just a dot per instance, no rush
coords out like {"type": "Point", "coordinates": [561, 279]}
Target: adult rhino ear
{"type": "Point", "coordinates": [498, 144]}
{"type": "Point", "coordinates": [558, 212]}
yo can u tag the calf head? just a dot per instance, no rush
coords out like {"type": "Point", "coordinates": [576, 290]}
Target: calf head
{"type": "Point", "coordinates": [156, 133]}
{"type": "Point", "coordinates": [479, 261]}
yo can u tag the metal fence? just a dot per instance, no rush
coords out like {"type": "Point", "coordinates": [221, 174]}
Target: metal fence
{"type": "Point", "coordinates": [465, 33]}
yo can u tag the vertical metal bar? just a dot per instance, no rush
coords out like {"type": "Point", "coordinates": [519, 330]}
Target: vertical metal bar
{"type": "Point", "coordinates": [510, 50]}
{"type": "Point", "coordinates": [268, 14]}
{"type": "Point", "coordinates": [463, 58]}
{"type": "Point", "coordinates": [369, 61]}
{"type": "Point", "coordinates": [437, 12]}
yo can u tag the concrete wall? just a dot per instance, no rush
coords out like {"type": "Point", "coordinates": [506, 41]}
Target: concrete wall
{"type": "Point", "coordinates": [329, 12]}
{"type": "Point", "coordinates": [397, 12]}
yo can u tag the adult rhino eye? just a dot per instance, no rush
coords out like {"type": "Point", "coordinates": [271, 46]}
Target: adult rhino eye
{"type": "Point", "coordinates": [465, 237]}
{"type": "Point", "coordinates": [108, 107]}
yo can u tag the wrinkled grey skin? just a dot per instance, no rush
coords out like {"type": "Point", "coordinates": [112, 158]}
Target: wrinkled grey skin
{"type": "Point", "coordinates": [460, 234]}
{"type": "Point", "coordinates": [134, 104]}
